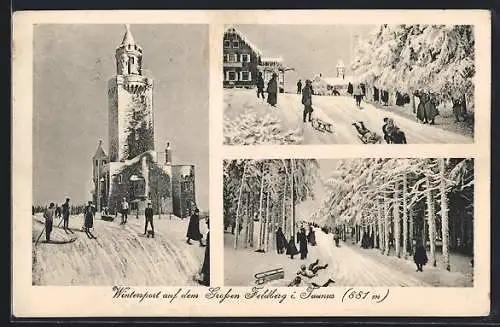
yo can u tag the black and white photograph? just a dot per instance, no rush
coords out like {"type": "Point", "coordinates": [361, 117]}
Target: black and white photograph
{"type": "Point", "coordinates": [120, 185]}
{"type": "Point", "coordinates": [380, 222]}
{"type": "Point", "coordinates": [349, 84]}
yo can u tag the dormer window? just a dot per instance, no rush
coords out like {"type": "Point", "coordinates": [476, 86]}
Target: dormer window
{"type": "Point", "coordinates": [227, 44]}
{"type": "Point", "coordinates": [236, 44]}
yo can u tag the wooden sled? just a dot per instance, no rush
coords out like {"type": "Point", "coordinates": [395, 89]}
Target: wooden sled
{"type": "Point", "coordinates": [322, 125]}
{"type": "Point", "coordinates": [269, 275]}
{"type": "Point", "coordinates": [107, 218]}
{"type": "Point", "coordinates": [71, 240]}
{"type": "Point", "coordinates": [376, 140]}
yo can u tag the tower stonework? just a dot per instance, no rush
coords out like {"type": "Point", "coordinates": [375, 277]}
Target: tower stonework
{"type": "Point", "coordinates": [130, 98]}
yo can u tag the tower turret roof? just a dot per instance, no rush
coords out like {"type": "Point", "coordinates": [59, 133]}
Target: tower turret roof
{"type": "Point", "coordinates": [127, 37]}
{"type": "Point", "coordinates": [100, 154]}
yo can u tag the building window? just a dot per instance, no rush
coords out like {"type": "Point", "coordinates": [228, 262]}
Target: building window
{"type": "Point", "coordinates": [120, 179]}
{"type": "Point", "coordinates": [227, 43]}
{"type": "Point", "coordinates": [245, 57]}
{"type": "Point", "coordinates": [245, 76]}
{"type": "Point", "coordinates": [224, 58]}
{"type": "Point", "coordinates": [231, 76]}
{"type": "Point", "coordinates": [236, 44]}
{"type": "Point", "coordinates": [232, 57]}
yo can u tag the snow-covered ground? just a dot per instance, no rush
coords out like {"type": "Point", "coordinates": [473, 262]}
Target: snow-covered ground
{"type": "Point", "coordinates": [120, 255]}
{"type": "Point", "coordinates": [347, 266]}
{"type": "Point", "coordinates": [341, 112]}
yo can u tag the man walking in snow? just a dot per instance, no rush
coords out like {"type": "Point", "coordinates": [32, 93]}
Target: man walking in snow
{"type": "Point", "coordinates": [148, 213]}
{"type": "Point", "coordinates": [299, 87]}
{"type": "Point", "coordinates": [124, 211]}
{"type": "Point", "coordinates": [307, 101]}
{"type": "Point", "coordinates": [260, 86]}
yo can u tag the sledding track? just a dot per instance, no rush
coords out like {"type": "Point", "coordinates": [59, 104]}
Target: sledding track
{"type": "Point", "coordinates": [341, 112]}
{"type": "Point", "coordinates": [119, 256]}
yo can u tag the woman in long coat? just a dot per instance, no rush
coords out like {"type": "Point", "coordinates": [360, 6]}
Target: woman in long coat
{"type": "Point", "coordinates": [302, 240]}
{"type": "Point", "coordinates": [193, 232]}
{"type": "Point", "coordinates": [89, 216]}
{"type": "Point", "coordinates": [311, 237]}
{"type": "Point", "coordinates": [426, 110]}
{"type": "Point", "coordinates": [280, 241]}
{"type": "Point", "coordinates": [272, 91]}
{"type": "Point", "coordinates": [291, 249]}
{"type": "Point", "coordinates": [420, 256]}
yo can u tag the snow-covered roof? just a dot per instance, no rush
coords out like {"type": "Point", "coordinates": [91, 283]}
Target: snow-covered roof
{"type": "Point", "coordinates": [245, 39]}
{"type": "Point", "coordinates": [272, 59]}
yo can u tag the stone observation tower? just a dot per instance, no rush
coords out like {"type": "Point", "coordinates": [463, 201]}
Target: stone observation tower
{"type": "Point", "coordinates": [132, 169]}
{"type": "Point", "coordinates": [130, 98]}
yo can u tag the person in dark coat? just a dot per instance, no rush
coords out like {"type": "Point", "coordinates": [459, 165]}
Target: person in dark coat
{"type": "Point", "coordinates": [193, 232]}
{"type": "Point", "coordinates": [299, 87]}
{"type": "Point", "coordinates": [420, 256]}
{"type": "Point", "coordinates": [65, 214]}
{"type": "Point", "coordinates": [205, 268]}
{"type": "Point", "coordinates": [280, 241]}
{"type": "Point", "coordinates": [272, 90]}
{"type": "Point", "coordinates": [426, 110]}
{"type": "Point", "coordinates": [307, 93]}
{"type": "Point", "coordinates": [311, 237]}
{"type": "Point", "coordinates": [459, 109]}
{"type": "Point", "coordinates": [375, 94]}
{"type": "Point", "coordinates": [148, 214]}
{"type": "Point", "coordinates": [89, 212]}
{"type": "Point", "coordinates": [260, 86]}
{"type": "Point", "coordinates": [336, 237]}
{"type": "Point", "coordinates": [291, 249]}
{"type": "Point", "coordinates": [302, 240]}
{"type": "Point", "coordinates": [350, 88]}
{"type": "Point", "coordinates": [385, 97]}
{"type": "Point", "coordinates": [49, 220]}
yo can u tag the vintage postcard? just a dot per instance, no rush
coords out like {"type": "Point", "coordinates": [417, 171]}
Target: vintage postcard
{"type": "Point", "coordinates": [251, 163]}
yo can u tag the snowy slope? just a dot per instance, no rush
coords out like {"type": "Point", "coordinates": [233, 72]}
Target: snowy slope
{"type": "Point", "coordinates": [119, 255]}
{"type": "Point", "coordinates": [341, 112]}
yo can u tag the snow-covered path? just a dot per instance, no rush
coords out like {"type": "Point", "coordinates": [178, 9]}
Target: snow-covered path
{"type": "Point", "coordinates": [351, 268]}
{"type": "Point", "coordinates": [341, 112]}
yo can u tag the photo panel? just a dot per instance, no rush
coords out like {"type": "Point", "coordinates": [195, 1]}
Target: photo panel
{"type": "Point", "coordinates": [349, 84]}
{"type": "Point", "coordinates": [120, 186]}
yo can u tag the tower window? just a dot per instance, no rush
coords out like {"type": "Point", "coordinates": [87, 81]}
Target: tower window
{"type": "Point", "coordinates": [132, 60]}
{"type": "Point", "coordinates": [120, 179]}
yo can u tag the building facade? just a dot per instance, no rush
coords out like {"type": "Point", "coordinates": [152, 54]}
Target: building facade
{"type": "Point", "coordinates": [242, 62]}
{"type": "Point", "coordinates": [132, 169]}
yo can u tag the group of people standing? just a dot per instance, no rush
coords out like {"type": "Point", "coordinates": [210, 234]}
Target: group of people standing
{"type": "Point", "coordinates": [193, 233]}
{"type": "Point", "coordinates": [272, 89]}
{"type": "Point", "coordinates": [303, 239]}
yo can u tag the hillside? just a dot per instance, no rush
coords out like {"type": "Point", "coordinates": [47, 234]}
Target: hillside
{"type": "Point", "coordinates": [120, 255]}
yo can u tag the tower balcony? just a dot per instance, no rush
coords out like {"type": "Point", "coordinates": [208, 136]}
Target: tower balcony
{"type": "Point", "coordinates": [135, 83]}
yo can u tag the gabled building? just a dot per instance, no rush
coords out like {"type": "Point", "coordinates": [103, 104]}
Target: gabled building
{"type": "Point", "coordinates": [132, 170]}
{"type": "Point", "coordinates": [325, 85]}
{"type": "Point", "coordinates": [242, 62]}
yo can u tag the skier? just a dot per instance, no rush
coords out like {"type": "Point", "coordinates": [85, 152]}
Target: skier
{"type": "Point", "coordinates": [302, 240]}
{"type": "Point", "coordinates": [193, 232]}
{"type": "Point", "coordinates": [148, 214]}
{"type": "Point", "coordinates": [280, 241]}
{"type": "Point", "coordinates": [49, 220]}
{"type": "Point", "coordinates": [124, 210]}
{"type": "Point", "coordinates": [311, 237]}
{"type": "Point", "coordinates": [358, 95]}
{"type": "Point", "coordinates": [272, 91]}
{"type": "Point", "coordinates": [420, 256]}
{"type": "Point", "coordinates": [291, 249]}
{"type": "Point", "coordinates": [260, 86]}
{"type": "Point", "coordinates": [299, 87]}
{"type": "Point", "coordinates": [307, 93]}
{"type": "Point", "coordinates": [65, 214]}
